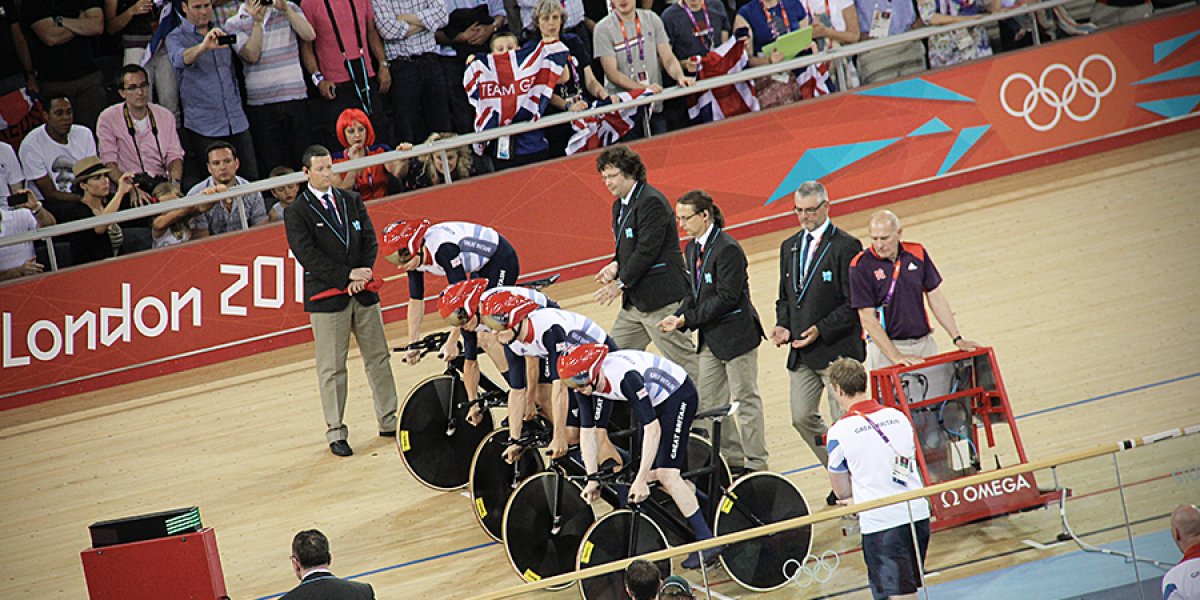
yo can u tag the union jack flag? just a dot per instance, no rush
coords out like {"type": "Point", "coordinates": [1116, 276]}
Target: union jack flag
{"type": "Point", "coordinates": [514, 87]}
{"type": "Point", "coordinates": [595, 132]}
{"type": "Point", "coordinates": [730, 100]}
{"type": "Point", "coordinates": [814, 80]}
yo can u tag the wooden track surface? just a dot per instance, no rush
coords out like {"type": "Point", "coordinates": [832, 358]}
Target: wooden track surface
{"type": "Point", "coordinates": [1083, 276]}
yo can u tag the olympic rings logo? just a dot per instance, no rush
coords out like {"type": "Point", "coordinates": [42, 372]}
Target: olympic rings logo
{"type": "Point", "coordinates": [813, 569]}
{"type": "Point", "coordinates": [1060, 101]}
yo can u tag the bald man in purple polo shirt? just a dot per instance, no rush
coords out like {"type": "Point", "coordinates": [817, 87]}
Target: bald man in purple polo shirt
{"type": "Point", "coordinates": [888, 284]}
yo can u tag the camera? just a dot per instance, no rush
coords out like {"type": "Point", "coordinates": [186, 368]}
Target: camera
{"type": "Point", "coordinates": [19, 198]}
{"type": "Point", "coordinates": [226, 40]}
{"type": "Point", "coordinates": [147, 182]}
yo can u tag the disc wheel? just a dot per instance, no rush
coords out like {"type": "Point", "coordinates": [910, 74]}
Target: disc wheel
{"type": "Point", "coordinates": [760, 499]}
{"type": "Point", "coordinates": [699, 455]}
{"type": "Point", "coordinates": [540, 541]}
{"type": "Point", "coordinates": [493, 480]}
{"type": "Point", "coordinates": [436, 449]}
{"type": "Point", "coordinates": [608, 540]}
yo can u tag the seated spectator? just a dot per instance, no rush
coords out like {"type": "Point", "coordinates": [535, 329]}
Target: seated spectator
{"type": "Point", "coordinates": [62, 53]}
{"type": "Point", "coordinates": [632, 63]}
{"type": "Point", "coordinates": [18, 79]}
{"type": "Point", "coordinates": [227, 215]}
{"type": "Point", "coordinates": [340, 66]}
{"type": "Point", "coordinates": [48, 154]}
{"type": "Point", "coordinates": [642, 580]}
{"type": "Point", "coordinates": [357, 135]}
{"type": "Point", "coordinates": [208, 89]}
{"type": "Point", "coordinates": [137, 21]}
{"type": "Point", "coordinates": [674, 588]}
{"type": "Point", "coordinates": [174, 227]}
{"type": "Point", "coordinates": [835, 23]}
{"type": "Point", "coordinates": [893, 61]}
{"type": "Point", "coordinates": [19, 260]}
{"type": "Point", "coordinates": [93, 185]}
{"type": "Point", "coordinates": [523, 148]}
{"type": "Point", "coordinates": [469, 28]}
{"type": "Point", "coordinates": [960, 45]}
{"type": "Point", "coordinates": [282, 196]}
{"type": "Point", "coordinates": [428, 170]}
{"type": "Point", "coordinates": [581, 85]}
{"type": "Point", "coordinates": [12, 177]}
{"type": "Point", "coordinates": [767, 21]}
{"type": "Point", "coordinates": [276, 98]}
{"type": "Point", "coordinates": [138, 136]}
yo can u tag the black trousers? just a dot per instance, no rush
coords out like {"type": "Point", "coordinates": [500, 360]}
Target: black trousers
{"type": "Point", "coordinates": [281, 133]}
{"type": "Point", "coordinates": [195, 162]}
{"type": "Point", "coordinates": [462, 114]}
{"type": "Point", "coordinates": [419, 98]}
{"type": "Point", "coordinates": [345, 96]}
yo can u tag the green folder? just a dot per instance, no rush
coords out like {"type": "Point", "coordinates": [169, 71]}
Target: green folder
{"type": "Point", "coordinates": [790, 44]}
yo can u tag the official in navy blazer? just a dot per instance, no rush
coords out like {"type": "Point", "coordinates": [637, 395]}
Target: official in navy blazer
{"type": "Point", "coordinates": [812, 313]}
{"type": "Point", "coordinates": [310, 563]}
{"type": "Point", "coordinates": [647, 270]}
{"type": "Point", "coordinates": [718, 307]}
{"type": "Point", "coordinates": [330, 233]}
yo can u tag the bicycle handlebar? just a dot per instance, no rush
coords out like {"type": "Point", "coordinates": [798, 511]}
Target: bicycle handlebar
{"type": "Point", "coordinates": [430, 343]}
{"type": "Point", "coordinates": [539, 284]}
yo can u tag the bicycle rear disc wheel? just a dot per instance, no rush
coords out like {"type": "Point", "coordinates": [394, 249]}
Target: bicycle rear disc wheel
{"type": "Point", "coordinates": [438, 455]}
{"type": "Point", "coordinates": [493, 480]}
{"type": "Point", "coordinates": [759, 499]}
{"type": "Point", "coordinates": [537, 545]}
{"type": "Point", "coordinates": [608, 540]}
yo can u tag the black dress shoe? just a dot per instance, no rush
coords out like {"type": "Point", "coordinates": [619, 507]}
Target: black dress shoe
{"type": "Point", "coordinates": [341, 448]}
{"type": "Point", "coordinates": [387, 434]}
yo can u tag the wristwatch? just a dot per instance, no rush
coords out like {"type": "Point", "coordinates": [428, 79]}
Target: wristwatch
{"type": "Point", "coordinates": [317, 78]}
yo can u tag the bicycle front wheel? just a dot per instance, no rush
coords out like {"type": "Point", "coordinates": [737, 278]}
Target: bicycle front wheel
{"type": "Point", "coordinates": [493, 480]}
{"type": "Point", "coordinates": [544, 524]}
{"type": "Point", "coordinates": [613, 538]}
{"type": "Point", "coordinates": [436, 443]}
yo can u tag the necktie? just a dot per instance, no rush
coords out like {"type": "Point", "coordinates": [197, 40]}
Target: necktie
{"type": "Point", "coordinates": [804, 255]}
{"type": "Point", "coordinates": [699, 261]}
{"type": "Point", "coordinates": [327, 200]}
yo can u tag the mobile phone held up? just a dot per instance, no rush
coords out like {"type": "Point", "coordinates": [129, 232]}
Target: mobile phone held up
{"type": "Point", "coordinates": [19, 198]}
{"type": "Point", "coordinates": [226, 40]}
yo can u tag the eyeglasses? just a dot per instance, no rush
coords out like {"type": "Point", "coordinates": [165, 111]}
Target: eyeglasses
{"type": "Point", "coordinates": [808, 211]}
{"type": "Point", "coordinates": [686, 218]}
{"type": "Point", "coordinates": [136, 88]}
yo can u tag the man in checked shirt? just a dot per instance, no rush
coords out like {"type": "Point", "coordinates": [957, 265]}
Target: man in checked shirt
{"type": "Point", "coordinates": [419, 99]}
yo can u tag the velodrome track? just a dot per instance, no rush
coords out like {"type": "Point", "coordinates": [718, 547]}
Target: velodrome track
{"type": "Point", "coordinates": [1082, 275]}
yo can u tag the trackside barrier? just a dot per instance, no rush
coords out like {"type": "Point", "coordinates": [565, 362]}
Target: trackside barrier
{"type": "Point", "coordinates": [1181, 446]}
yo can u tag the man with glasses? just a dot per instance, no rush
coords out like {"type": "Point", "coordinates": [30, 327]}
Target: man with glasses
{"type": "Point", "coordinates": [812, 312]}
{"type": "Point", "coordinates": [138, 136]}
{"type": "Point", "coordinates": [889, 283]}
{"type": "Point", "coordinates": [647, 269]}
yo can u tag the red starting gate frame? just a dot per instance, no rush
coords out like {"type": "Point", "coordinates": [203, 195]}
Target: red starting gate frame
{"type": "Point", "coordinates": [985, 397]}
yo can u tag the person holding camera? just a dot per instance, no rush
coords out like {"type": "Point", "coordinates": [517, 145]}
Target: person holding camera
{"type": "Point", "coordinates": [208, 90]}
{"type": "Point", "coordinates": [20, 212]}
{"type": "Point", "coordinates": [138, 136]}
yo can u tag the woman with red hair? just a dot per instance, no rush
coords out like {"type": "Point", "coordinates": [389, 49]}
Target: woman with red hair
{"type": "Point", "coordinates": [357, 136]}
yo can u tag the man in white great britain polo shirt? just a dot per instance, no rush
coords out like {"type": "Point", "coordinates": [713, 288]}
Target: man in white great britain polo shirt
{"type": "Point", "coordinates": [872, 455]}
{"type": "Point", "coordinates": [1182, 582]}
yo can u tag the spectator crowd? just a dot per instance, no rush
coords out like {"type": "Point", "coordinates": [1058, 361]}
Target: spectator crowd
{"type": "Point", "coordinates": [166, 96]}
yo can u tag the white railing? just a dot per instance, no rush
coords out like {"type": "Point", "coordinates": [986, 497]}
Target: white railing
{"type": "Point", "coordinates": [833, 55]}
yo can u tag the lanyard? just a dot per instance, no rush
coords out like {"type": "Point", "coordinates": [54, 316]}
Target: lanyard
{"type": "Point", "coordinates": [363, 88]}
{"type": "Point", "coordinates": [626, 211]}
{"type": "Point", "coordinates": [637, 21]}
{"type": "Point", "coordinates": [133, 135]}
{"type": "Point", "coordinates": [771, 22]}
{"type": "Point", "coordinates": [796, 274]}
{"type": "Point", "coordinates": [887, 301]}
{"type": "Point", "coordinates": [875, 427]}
{"type": "Point", "coordinates": [702, 258]}
{"type": "Point", "coordinates": [343, 232]}
{"type": "Point", "coordinates": [708, 30]}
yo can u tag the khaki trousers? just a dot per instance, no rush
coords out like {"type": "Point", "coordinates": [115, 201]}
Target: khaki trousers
{"type": "Point", "coordinates": [922, 346]}
{"type": "Point", "coordinates": [331, 333]}
{"type": "Point", "coordinates": [743, 438]}
{"type": "Point", "coordinates": [805, 387]}
{"type": "Point", "coordinates": [634, 330]}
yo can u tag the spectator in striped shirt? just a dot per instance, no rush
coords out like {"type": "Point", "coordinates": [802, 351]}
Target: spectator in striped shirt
{"type": "Point", "coordinates": [276, 99]}
{"type": "Point", "coordinates": [419, 99]}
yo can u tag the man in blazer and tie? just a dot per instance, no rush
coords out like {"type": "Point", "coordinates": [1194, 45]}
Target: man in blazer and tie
{"type": "Point", "coordinates": [330, 233]}
{"type": "Point", "coordinates": [647, 268]}
{"type": "Point", "coordinates": [729, 330]}
{"type": "Point", "coordinates": [813, 314]}
{"type": "Point", "coordinates": [310, 562]}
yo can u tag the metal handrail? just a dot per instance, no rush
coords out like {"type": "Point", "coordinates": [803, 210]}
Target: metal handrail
{"type": "Point", "coordinates": [441, 146]}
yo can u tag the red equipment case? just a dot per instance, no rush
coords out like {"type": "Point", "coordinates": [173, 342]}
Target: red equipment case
{"type": "Point", "coordinates": [968, 383]}
{"type": "Point", "coordinates": [176, 567]}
